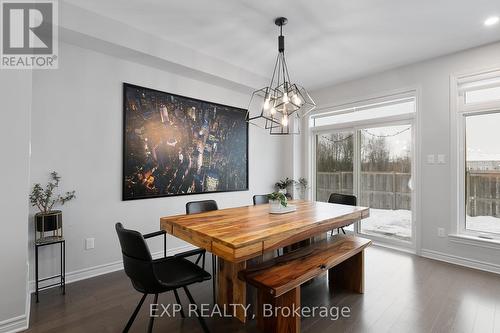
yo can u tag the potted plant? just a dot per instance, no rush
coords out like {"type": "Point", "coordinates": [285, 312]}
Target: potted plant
{"type": "Point", "coordinates": [302, 185]}
{"type": "Point", "coordinates": [283, 185]}
{"type": "Point", "coordinates": [48, 219]}
{"type": "Point", "coordinates": [277, 200]}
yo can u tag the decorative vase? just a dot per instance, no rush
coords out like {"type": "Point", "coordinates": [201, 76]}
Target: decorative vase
{"type": "Point", "coordinates": [275, 204]}
{"type": "Point", "coordinates": [50, 222]}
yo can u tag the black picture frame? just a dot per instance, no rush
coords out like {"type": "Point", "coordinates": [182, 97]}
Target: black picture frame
{"type": "Point", "coordinates": [125, 192]}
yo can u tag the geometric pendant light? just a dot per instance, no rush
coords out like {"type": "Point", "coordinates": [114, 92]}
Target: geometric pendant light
{"type": "Point", "coordinates": [279, 106]}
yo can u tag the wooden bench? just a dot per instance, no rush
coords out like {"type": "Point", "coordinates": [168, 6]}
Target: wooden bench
{"type": "Point", "coordinates": [278, 280]}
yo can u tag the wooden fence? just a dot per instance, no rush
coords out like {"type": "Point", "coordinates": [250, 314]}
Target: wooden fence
{"type": "Point", "coordinates": [384, 190]}
{"type": "Point", "coordinates": [391, 190]}
{"type": "Point", "coordinates": [483, 188]}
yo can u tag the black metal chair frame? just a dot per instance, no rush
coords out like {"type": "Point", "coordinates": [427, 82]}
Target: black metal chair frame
{"type": "Point", "coordinates": [260, 199]}
{"type": "Point", "coordinates": [346, 200]}
{"type": "Point", "coordinates": [214, 257]}
{"type": "Point", "coordinates": [201, 255]}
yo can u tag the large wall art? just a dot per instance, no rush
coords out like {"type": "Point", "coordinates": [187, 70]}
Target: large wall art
{"type": "Point", "coordinates": [175, 145]}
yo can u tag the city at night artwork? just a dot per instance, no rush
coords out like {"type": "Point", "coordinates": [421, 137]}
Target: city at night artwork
{"type": "Point", "coordinates": [175, 145]}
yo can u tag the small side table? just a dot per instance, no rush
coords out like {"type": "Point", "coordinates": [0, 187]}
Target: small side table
{"type": "Point", "coordinates": [62, 276]}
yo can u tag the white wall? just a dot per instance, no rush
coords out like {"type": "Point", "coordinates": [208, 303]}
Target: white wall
{"type": "Point", "coordinates": [77, 131]}
{"type": "Point", "coordinates": [433, 79]}
{"type": "Point", "coordinates": [15, 97]}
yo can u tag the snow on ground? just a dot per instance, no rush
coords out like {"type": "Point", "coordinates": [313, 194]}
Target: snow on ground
{"type": "Point", "coordinates": [397, 223]}
{"type": "Point", "coordinates": [483, 223]}
{"type": "Point", "coordinates": [392, 223]}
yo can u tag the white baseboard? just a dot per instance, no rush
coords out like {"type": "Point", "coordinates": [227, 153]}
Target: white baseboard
{"type": "Point", "coordinates": [19, 323]}
{"type": "Point", "coordinates": [16, 324]}
{"type": "Point", "coordinates": [90, 272]}
{"type": "Point", "coordinates": [470, 263]}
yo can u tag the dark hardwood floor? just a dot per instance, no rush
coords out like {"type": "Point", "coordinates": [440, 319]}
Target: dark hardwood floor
{"type": "Point", "coordinates": [404, 293]}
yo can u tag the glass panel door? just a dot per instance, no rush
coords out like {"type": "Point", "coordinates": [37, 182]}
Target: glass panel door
{"type": "Point", "coordinates": [334, 164]}
{"type": "Point", "coordinates": [385, 181]}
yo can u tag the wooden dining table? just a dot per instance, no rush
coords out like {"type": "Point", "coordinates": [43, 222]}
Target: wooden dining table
{"type": "Point", "coordinates": [245, 236]}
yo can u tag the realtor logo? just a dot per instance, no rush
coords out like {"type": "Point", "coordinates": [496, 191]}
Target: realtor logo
{"type": "Point", "coordinates": [29, 34]}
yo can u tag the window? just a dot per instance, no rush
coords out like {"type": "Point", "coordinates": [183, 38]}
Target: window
{"type": "Point", "coordinates": [382, 110]}
{"type": "Point", "coordinates": [482, 173]}
{"type": "Point", "coordinates": [334, 165]}
{"type": "Point", "coordinates": [482, 95]}
{"type": "Point", "coordinates": [480, 88]}
{"type": "Point", "coordinates": [367, 150]}
{"type": "Point", "coordinates": [386, 181]}
{"type": "Point", "coordinates": [478, 116]}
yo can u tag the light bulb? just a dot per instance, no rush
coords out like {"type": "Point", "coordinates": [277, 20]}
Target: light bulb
{"type": "Point", "coordinates": [284, 121]}
{"type": "Point", "coordinates": [266, 104]}
{"type": "Point", "coordinates": [285, 98]}
{"type": "Point", "coordinates": [296, 100]}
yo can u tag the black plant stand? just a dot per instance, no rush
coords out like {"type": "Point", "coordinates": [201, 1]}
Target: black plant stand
{"type": "Point", "coordinates": [62, 275]}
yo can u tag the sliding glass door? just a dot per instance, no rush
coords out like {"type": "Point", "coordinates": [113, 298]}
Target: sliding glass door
{"type": "Point", "coordinates": [385, 181]}
{"type": "Point", "coordinates": [366, 149]}
{"type": "Point", "coordinates": [334, 164]}
{"type": "Point", "coordinates": [375, 164]}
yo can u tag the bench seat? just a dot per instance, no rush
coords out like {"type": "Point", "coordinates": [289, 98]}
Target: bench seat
{"type": "Point", "coordinates": [278, 280]}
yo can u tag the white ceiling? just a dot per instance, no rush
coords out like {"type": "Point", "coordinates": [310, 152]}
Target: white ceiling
{"type": "Point", "coordinates": [327, 41]}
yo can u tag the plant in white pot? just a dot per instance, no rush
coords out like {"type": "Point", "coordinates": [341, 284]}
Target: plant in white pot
{"type": "Point", "coordinates": [277, 200]}
{"type": "Point", "coordinates": [302, 186]}
{"type": "Point", "coordinates": [48, 219]}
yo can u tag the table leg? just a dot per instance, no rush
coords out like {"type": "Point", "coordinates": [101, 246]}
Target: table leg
{"type": "Point", "coordinates": [64, 267]}
{"type": "Point", "coordinates": [231, 290]}
{"type": "Point", "coordinates": [36, 273]}
{"type": "Point", "coordinates": [61, 264]}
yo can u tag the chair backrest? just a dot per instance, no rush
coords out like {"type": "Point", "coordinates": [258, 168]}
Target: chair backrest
{"type": "Point", "coordinates": [137, 260]}
{"type": "Point", "coordinates": [132, 243]}
{"type": "Point", "coordinates": [195, 207]}
{"type": "Point", "coordinates": [260, 199]}
{"type": "Point", "coordinates": [344, 199]}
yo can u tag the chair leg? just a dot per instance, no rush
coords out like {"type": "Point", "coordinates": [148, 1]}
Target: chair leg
{"type": "Point", "coordinates": [179, 302]}
{"type": "Point", "coordinates": [200, 318]}
{"type": "Point", "coordinates": [152, 318]}
{"type": "Point", "coordinates": [343, 231]}
{"type": "Point", "coordinates": [214, 273]}
{"type": "Point", "coordinates": [134, 314]}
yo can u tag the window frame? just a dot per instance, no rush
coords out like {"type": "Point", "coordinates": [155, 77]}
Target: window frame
{"type": "Point", "coordinates": [459, 112]}
{"type": "Point", "coordinates": [411, 119]}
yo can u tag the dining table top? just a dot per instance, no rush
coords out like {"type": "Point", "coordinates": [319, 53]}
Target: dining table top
{"type": "Point", "coordinates": [240, 233]}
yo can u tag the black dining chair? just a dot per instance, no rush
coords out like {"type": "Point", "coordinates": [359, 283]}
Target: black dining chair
{"type": "Point", "coordinates": [343, 199]}
{"type": "Point", "coordinates": [260, 199]}
{"type": "Point", "coordinates": [195, 207]}
{"type": "Point", "coordinates": [156, 276]}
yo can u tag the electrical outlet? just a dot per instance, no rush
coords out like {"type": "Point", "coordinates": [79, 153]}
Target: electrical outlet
{"type": "Point", "coordinates": [441, 232]}
{"type": "Point", "coordinates": [431, 159]}
{"type": "Point", "coordinates": [89, 243]}
{"type": "Point", "coordinates": [441, 159]}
